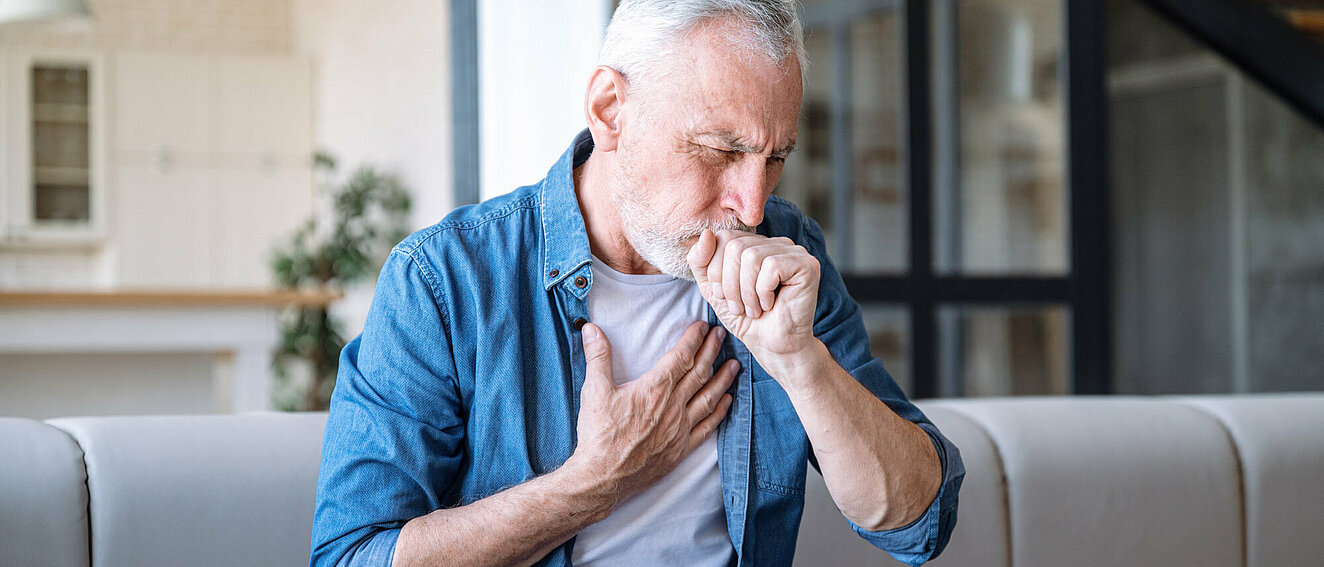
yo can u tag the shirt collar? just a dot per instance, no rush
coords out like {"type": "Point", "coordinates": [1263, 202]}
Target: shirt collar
{"type": "Point", "coordinates": [565, 239]}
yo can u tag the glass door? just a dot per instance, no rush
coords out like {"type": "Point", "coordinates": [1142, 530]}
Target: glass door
{"type": "Point", "coordinates": [956, 180]}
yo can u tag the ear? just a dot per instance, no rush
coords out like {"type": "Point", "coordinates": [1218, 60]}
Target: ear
{"type": "Point", "coordinates": [602, 107]}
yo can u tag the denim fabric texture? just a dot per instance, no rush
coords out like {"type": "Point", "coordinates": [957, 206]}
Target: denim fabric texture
{"type": "Point", "coordinates": [466, 380]}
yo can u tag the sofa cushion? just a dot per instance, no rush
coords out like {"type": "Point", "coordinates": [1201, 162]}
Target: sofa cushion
{"type": "Point", "coordinates": [200, 490]}
{"type": "Point", "coordinates": [43, 496]}
{"type": "Point", "coordinates": [1280, 439]}
{"type": "Point", "coordinates": [1114, 481]}
{"type": "Point", "coordinates": [980, 537]}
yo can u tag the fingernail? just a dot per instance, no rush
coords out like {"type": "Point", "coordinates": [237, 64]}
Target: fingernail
{"type": "Point", "coordinates": [590, 334]}
{"type": "Point", "coordinates": [721, 333]}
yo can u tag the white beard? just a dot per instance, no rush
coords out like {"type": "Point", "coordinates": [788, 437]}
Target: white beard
{"type": "Point", "coordinates": [658, 242]}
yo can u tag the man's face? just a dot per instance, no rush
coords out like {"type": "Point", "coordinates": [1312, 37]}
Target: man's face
{"type": "Point", "coordinates": [706, 147]}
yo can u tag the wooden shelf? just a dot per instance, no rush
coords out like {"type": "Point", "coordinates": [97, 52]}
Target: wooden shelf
{"type": "Point", "coordinates": [167, 298]}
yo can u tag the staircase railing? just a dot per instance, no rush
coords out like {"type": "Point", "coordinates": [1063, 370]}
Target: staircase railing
{"type": "Point", "coordinates": [1285, 60]}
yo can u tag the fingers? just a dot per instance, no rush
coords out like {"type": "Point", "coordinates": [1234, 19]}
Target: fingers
{"type": "Point", "coordinates": [703, 362]}
{"type": "Point", "coordinates": [707, 399]}
{"type": "Point", "coordinates": [700, 255]}
{"type": "Point", "coordinates": [709, 424]}
{"type": "Point", "coordinates": [678, 361]}
{"type": "Point", "coordinates": [737, 266]}
{"type": "Point", "coordinates": [597, 359]}
{"type": "Point", "coordinates": [713, 271]}
{"type": "Point", "coordinates": [730, 278]}
{"type": "Point", "coordinates": [770, 276]}
{"type": "Point", "coordinates": [753, 268]}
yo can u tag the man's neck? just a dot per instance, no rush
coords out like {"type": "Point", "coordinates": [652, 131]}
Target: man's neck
{"type": "Point", "coordinates": [606, 232]}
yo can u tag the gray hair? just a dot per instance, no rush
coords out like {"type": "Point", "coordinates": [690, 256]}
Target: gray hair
{"type": "Point", "coordinates": [644, 33]}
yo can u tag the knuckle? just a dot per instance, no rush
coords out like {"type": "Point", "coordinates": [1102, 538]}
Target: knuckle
{"type": "Point", "coordinates": [709, 401]}
{"type": "Point", "coordinates": [750, 256]}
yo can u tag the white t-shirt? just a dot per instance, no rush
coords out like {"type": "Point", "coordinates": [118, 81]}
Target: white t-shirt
{"type": "Point", "coordinates": [680, 520]}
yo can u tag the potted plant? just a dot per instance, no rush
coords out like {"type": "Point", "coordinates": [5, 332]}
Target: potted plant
{"type": "Point", "coordinates": [360, 219]}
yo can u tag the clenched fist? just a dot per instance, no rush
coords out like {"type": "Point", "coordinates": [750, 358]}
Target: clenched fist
{"type": "Point", "coordinates": [765, 290]}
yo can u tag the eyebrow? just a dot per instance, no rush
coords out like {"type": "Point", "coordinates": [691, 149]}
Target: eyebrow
{"type": "Point", "coordinates": [735, 144]}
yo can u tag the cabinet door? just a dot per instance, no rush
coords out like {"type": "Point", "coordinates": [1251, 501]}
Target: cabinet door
{"type": "Point", "coordinates": [161, 107]}
{"type": "Point", "coordinates": [162, 234]}
{"type": "Point", "coordinates": [254, 210]}
{"type": "Point", "coordinates": [262, 177]}
{"type": "Point", "coordinates": [263, 107]}
{"type": "Point", "coordinates": [7, 100]}
{"type": "Point", "coordinates": [54, 147]}
{"type": "Point", "coordinates": [160, 153]}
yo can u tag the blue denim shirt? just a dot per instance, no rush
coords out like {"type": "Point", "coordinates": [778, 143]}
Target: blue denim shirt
{"type": "Point", "coordinates": [466, 381]}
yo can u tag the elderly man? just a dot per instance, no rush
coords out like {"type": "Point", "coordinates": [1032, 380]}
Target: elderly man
{"type": "Point", "coordinates": [633, 361]}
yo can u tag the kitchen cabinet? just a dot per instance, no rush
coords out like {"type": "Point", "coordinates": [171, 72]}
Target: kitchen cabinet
{"type": "Point", "coordinates": [53, 153]}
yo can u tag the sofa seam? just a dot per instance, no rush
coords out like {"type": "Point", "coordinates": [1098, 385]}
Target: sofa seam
{"type": "Point", "coordinates": [1002, 475]}
{"type": "Point", "coordinates": [1241, 474]}
{"type": "Point", "coordinates": [87, 481]}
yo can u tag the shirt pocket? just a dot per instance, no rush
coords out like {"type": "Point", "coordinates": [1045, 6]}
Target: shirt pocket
{"type": "Point", "coordinates": [781, 448]}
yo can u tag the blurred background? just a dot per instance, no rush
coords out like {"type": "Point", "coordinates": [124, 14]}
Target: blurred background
{"type": "Point", "coordinates": [1027, 197]}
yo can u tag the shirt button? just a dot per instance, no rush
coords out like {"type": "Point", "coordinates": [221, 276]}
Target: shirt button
{"type": "Point", "coordinates": [580, 282]}
{"type": "Point", "coordinates": [553, 273]}
{"type": "Point", "coordinates": [579, 323]}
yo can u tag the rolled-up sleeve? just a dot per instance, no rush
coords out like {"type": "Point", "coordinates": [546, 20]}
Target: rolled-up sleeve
{"type": "Point", "coordinates": [394, 434]}
{"type": "Point", "coordinates": [840, 325]}
{"type": "Point", "coordinates": [926, 537]}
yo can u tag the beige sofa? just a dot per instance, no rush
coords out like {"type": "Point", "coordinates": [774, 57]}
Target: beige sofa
{"type": "Point", "coordinates": [1206, 481]}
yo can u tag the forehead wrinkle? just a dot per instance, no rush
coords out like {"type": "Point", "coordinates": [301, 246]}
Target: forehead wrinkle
{"type": "Point", "coordinates": [736, 143]}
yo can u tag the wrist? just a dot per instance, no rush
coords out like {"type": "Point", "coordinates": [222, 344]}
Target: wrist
{"type": "Point", "coordinates": [579, 481]}
{"type": "Point", "coordinates": [792, 369]}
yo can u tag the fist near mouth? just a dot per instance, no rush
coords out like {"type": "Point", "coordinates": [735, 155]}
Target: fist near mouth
{"type": "Point", "coordinates": [763, 290]}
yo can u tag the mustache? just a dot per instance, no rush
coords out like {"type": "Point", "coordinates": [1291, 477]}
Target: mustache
{"type": "Point", "coordinates": [695, 228]}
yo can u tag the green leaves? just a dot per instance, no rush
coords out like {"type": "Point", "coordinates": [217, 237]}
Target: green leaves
{"type": "Point", "coordinates": [369, 214]}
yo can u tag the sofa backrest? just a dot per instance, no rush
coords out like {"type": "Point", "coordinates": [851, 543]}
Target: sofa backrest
{"type": "Point", "coordinates": [1280, 442]}
{"type": "Point", "coordinates": [1114, 481]}
{"type": "Point", "coordinates": [43, 496]}
{"type": "Point", "coordinates": [1086, 481]}
{"type": "Point", "coordinates": [1212, 480]}
{"type": "Point", "coordinates": [826, 539]}
{"type": "Point", "coordinates": [218, 490]}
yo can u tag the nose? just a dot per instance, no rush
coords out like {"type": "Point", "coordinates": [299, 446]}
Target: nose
{"type": "Point", "coordinates": [747, 190]}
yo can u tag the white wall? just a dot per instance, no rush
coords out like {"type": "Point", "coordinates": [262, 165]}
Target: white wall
{"type": "Point", "coordinates": [382, 97]}
{"type": "Point", "coordinates": [534, 63]}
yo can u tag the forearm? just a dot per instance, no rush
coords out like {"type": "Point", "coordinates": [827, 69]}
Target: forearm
{"type": "Point", "coordinates": [517, 526]}
{"type": "Point", "coordinates": [881, 470]}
